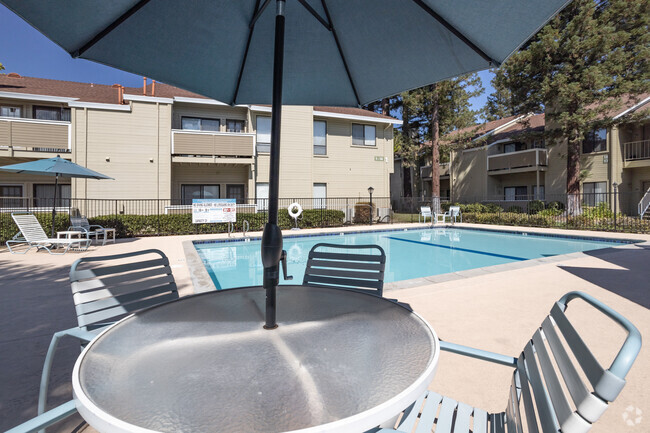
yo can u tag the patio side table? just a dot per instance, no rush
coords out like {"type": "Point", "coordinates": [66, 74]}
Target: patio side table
{"type": "Point", "coordinates": [339, 361]}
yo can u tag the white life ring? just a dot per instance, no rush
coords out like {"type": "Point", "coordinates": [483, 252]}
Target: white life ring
{"type": "Point", "coordinates": [298, 210]}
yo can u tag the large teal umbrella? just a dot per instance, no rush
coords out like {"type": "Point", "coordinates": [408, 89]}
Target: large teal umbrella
{"type": "Point", "coordinates": [57, 167]}
{"type": "Point", "coordinates": [338, 52]}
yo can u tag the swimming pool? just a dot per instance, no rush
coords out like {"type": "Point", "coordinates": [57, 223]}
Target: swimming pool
{"type": "Point", "coordinates": [410, 253]}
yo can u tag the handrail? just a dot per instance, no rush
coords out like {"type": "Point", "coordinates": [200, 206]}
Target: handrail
{"type": "Point", "coordinates": [644, 204]}
{"type": "Point", "coordinates": [636, 150]}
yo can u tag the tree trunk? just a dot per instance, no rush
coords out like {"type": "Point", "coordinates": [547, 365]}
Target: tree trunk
{"type": "Point", "coordinates": [574, 207]}
{"type": "Point", "coordinates": [385, 107]}
{"type": "Point", "coordinates": [435, 152]}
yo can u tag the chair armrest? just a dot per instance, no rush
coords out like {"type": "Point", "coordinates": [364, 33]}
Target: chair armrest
{"type": "Point", "coordinates": [632, 345]}
{"type": "Point", "coordinates": [96, 225]}
{"type": "Point", "coordinates": [484, 355]}
{"type": "Point", "coordinates": [78, 333]}
{"type": "Point", "coordinates": [77, 228]}
{"type": "Point", "coordinates": [46, 419]}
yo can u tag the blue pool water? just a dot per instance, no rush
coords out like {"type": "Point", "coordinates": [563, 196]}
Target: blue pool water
{"type": "Point", "coordinates": [410, 254]}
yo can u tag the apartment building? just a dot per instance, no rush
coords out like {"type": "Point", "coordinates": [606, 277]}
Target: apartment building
{"type": "Point", "coordinates": [508, 160]}
{"type": "Point", "coordinates": [162, 142]}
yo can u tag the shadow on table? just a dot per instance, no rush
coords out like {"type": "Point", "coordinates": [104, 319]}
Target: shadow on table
{"type": "Point", "coordinates": [632, 282]}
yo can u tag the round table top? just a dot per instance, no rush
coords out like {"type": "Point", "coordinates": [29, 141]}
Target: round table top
{"type": "Point", "coordinates": [339, 360]}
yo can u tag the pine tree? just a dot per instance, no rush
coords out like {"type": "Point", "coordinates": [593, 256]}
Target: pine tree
{"type": "Point", "coordinates": [577, 68]}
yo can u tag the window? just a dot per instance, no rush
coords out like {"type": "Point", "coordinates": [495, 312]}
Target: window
{"type": "Point", "coordinates": [236, 192]}
{"type": "Point", "coordinates": [9, 191]}
{"type": "Point", "coordinates": [595, 141]}
{"type": "Point", "coordinates": [51, 113]}
{"type": "Point", "coordinates": [262, 196]}
{"type": "Point", "coordinates": [320, 196]}
{"type": "Point", "coordinates": [234, 125]}
{"type": "Point", "coordinates": [6, 111]}
{"type": "Point", "coordinates": [513, 147]}
{"type": "Point", "coordinates": [538, 195]}
{"type": "Point", "coordinates": [199, 124]}
{"type": "Point", "coordinates": [320, 137]}
{"type": "Point", "coordinates": [363, 135]}
{"type": "Point", "coordinates": [594, 193]}
{"type": "Point", "coordinates": [515, 193]}
{"type": "Point", "coordinates": [263, 134]}
{"type": "Point", "coordinates": [190, 192]}
{"type": "Point", "coordinates": [44, 195]}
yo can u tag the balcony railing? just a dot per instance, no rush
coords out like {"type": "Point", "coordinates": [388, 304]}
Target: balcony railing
{"type": "Point", "coordinates": [425, 172]}
{"type": "Point", "coordinates": [202, 143]}
{"type": "Point", "coordinates": [523, 159]}
{"type": "Point", "coordinates": [636, 150]}
{"type": "Point", "coordinates": [18, 134]}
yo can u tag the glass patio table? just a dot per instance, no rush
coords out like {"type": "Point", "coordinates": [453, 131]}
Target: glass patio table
{"type": "Point", "coordinates": [339, 361]}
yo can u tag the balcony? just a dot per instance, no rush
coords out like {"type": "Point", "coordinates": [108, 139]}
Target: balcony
{"type": "Point", "coordinates": [636, 154]}
{"type": "Point", "coordinates": [33, 138]}
{"type": "Point", "coordinates": [518, 162]}
{"type": "Point", "coordinates": [203, 146]}
{"type": "Point", "coordinates": [425, 172]}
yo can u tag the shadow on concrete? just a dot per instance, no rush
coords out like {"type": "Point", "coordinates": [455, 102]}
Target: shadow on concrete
{"type": "Point", "coordinates": [30, 312]}
{"type": "Point", "coordinates": [632, 282]}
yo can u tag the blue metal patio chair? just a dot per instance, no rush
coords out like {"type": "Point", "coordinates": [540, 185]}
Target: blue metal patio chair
{"type": "Point", "coordinates": [103, 294]}
{"type": "Point", "coordinates": [542, 373]}
{"type": "Point", "coordinates": [336, 267]}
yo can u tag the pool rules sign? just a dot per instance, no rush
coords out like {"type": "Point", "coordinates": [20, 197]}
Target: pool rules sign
{"type": "Point", "coordinates": [206, 211]}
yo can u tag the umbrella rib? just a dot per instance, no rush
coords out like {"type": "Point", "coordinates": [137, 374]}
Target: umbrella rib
{"type": "Point", "coordinates": [256, 14]}
{"type": "Point", "coordinates": [99, 36]}
{"type": "Point", "coordinates": [311, 10]}
{"type": "Point", "coordinates": [338, 46]}
{"type": "Point", "coordinates": [457, 33]}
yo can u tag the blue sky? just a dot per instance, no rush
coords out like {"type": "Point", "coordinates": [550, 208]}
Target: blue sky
{"type": "Point", "coordinates": [31, 54]}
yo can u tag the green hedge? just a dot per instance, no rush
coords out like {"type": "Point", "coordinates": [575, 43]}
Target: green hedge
{"type": "Point", "coordinates": [127, 226]}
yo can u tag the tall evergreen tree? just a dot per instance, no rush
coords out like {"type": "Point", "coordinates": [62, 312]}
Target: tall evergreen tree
{"type": "Point", "coordinates": [577, 68]}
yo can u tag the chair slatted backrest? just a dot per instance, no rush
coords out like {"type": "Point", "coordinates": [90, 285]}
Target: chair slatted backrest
{"type": "Point", "coordinates": [454, 211]}
{"type": "Point", "coordinates": [425, 211]}
{"type": "Point", "coordinates": [109, 287]}
{"type": "Point", "coordinates": [549, 381]}
{"type": "Point", "coordinates": [332, 265]}
{"type": "Point", "coordinates": [80, 222]}
{"type": "Point", "coordinates": [29, 227]}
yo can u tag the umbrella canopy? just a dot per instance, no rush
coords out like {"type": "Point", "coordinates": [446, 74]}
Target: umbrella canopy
{"type": "Point", "coordinates": [57, 167]}
{"type": "Point", "coordinates": [338, 52]}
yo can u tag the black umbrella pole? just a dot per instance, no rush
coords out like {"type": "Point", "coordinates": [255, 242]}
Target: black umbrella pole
{"type": "Point", "coordinates": [272, 237]}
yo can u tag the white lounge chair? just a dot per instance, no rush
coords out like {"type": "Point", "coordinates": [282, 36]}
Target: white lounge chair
{"type": "Point", "coordinates": [452, 214]}
{"type": "Point", "coordinates": [553, 362]}
{"type": "Point", "coordinates": [425, 212]}
{"type": "Point", "coordinates": [81, 224]}
{"type": "Point", "coordinates": [32, 234]}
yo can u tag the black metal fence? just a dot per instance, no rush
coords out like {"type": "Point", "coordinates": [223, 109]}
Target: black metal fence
{"type": "Point", "coordinates": [154, 217]}
{"type": "Point", "coordinates": [601, 211]}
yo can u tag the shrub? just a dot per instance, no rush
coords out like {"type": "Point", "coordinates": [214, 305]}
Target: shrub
{"type": "Point", "coordinates": [493, 208]}
{"type": "Point", "coordinates": [601, 210]}
{"type": "Point", "coordinates": [557, 205]}
{"type": "Point", "coordinates": [550, 212]}
{"type": "Point", "coordinates": [535, 206]}
{"type": "Point", "coordinates": [514, 209]}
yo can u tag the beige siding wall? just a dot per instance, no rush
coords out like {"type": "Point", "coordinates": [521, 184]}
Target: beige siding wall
{"type": "Point", "coordinates": [209, 174]}
{"type": "Point", "coordinates": [470, 182]}
{"type": "Point", "coordinates": [347, 170]}
{"type": "Point", "coordinates": [132, 147]}
{"type": "Point", "coordinates": [26, 181]}
{"type": "Point", "coordinates": [556, 172]}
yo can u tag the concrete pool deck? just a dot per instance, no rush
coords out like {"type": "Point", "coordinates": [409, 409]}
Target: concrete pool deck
{"type": "Point", "coordinates": [494, 309]}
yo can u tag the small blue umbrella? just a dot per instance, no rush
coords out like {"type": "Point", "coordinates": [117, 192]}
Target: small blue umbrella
{"type": "Point", "coordinates": [57, 167]}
